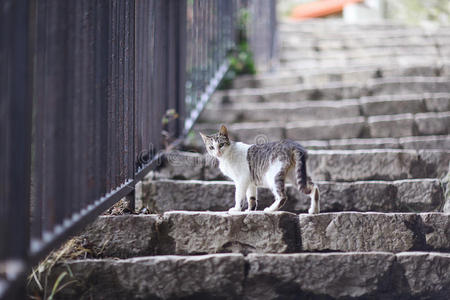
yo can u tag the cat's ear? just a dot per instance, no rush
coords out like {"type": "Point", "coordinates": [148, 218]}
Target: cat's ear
{"type": "Point", "coordinates": [203, 137]}
{"type": "Point", "coordinates": [223, 131]}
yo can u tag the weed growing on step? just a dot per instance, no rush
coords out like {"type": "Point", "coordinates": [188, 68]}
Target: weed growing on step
{"type": "Point", "coordinates": [44, 283]}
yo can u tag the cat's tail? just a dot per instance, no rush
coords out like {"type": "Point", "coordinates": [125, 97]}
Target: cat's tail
{"type": "Point", "coordinates": [300, 156]}
{"type": "Point", "coordinates": [304, 183]}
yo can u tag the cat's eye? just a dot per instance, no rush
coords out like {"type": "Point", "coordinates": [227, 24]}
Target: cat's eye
{"type": "Point", "coordinates": [211, 148]}
{"type": "Point", "coordinates": [221, 145]}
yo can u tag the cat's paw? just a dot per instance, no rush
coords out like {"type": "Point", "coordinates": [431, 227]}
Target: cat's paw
{"type": "Point", "coordinates": [313, 210]}
{"type": "Point", "coordinates": [234, 209]}
{"type": "Point", "coordinates": [269, 209]}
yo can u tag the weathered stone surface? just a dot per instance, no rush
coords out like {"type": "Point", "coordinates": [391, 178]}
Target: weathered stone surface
{"type": "Point", "coordinates": [319, 276]}
{"type": "Point", "coordinates": [391, 125]}
{"type": "Point", "coordinates": [257, 133]}
{"type": "Point", "coordinates": [411, 142]}
{"type": "Point", "coordinates": [374, 275]}
{"type": "Point", "coordinates": [437, 230]}
{"type": "Point", "coordinates": [425, 142]}
{"type": "Point", "coordinates": [412, 195]}
{"type": "Point", "coordinates": [438, 102]}
{"type": "Point", "coordinates": [193, 195]}
{"type": "Point", "coordinates": [359, 232]}
{"type": "Point", "coordinates": [200, 232]}
{"type": "Point", "coordinates": [326, 129]}
{"type": "Point", "coordinates": [426, 275]}
{"type": "Point", "coordinates": [219, 276]}
{"type": "Point", "coordinates": [181, 165]}
{"type": "Point", "coordinates": [351, 165]}
{"type": "Point", "coordinates": [354, 53]}
{"type": "Point", "coordinates": [434, 163]}
{"type": "Point", "coordinates": [373, 143]}
{"type": "Point", "coordinates": [122, 236]}
{"type": "Point", "coordinates": [346, 74]}
{"type": "Point", "coordinates": [389, 105]}
{"type": "Point", "coordinates": [385, 126]}
{"type": "Point", "coordinates": [433, 123]}
{"type": "Point", "coordinates": [415, 195]}
{"type": "Point", "coordinates": [446, 186]}
{"type": "Point", "coordinates": [305, 110]}
{"type": "Point", "coordinates": [296, 65]}
{"type": "Point", "coordinates": [408, 85]}
{"type": "Point", "coordinates": [331, 91]}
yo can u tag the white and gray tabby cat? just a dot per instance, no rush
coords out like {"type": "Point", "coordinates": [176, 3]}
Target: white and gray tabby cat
{"type": "Point", "coordinates": [268, 165]}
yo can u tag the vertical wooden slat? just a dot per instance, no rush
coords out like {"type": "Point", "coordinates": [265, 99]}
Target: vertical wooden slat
{"type": "Point", "coordinates": [15, 130]}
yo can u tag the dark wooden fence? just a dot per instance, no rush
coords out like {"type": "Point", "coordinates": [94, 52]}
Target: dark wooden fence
{"type": "Point", "coordinates": [90, 94]}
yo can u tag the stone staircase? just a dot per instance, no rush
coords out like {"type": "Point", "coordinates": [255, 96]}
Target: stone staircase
{"type": "Point", "coordinates": [372, 105]}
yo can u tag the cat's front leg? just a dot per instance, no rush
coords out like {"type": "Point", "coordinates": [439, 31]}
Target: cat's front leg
{"type": "Point", "coordinates": [239, 196]}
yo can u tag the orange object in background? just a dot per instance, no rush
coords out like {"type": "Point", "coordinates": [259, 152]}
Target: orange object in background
{"type": "Point", "coordinates": [320, 8]}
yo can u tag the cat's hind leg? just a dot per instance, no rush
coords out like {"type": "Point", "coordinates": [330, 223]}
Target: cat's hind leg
{"type": "Point", "coordinates": [276, 182]}
{"type": "Point", "coordinates": [315, 200]}
{"type": "Point", "coordinates": [304, 183]}
{"type": "Point", "coordinates": [251, 198]}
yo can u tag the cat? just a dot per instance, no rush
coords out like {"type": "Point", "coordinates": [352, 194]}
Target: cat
{"type": "Point", "coordinates": [267, 165]}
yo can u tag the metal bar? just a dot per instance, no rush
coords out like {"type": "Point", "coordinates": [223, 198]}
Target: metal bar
{"type": "Point", "coordinates": [181, 65]}
{"type": "Point", "coordinates": [77, 222]}
{"type": "Point", "coordinates": [37, 167]}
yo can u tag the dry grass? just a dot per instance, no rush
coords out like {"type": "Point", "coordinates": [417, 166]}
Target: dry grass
{"type": "Point", "coordinates": [42, 284]}
{"type": "Point", "coordinates": [119, 208]}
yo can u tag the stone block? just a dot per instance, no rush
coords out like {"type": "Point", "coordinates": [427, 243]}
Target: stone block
{"type": "Point", "coordinates": [391, 126]}
{"type": "Point", "coordinates": [202, 232]}
{"type": "Point", "coordinates": [326, 129]}
{"type": "Point", "coordinates": [318, 275]}
{"type": "Point", "coordinates": [348, 231]}
{"type": "Point", "coordinates": [122, 236]}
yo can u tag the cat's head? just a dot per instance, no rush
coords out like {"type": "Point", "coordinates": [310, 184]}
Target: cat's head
{"type": "Point", "coordinates": [217, 144]}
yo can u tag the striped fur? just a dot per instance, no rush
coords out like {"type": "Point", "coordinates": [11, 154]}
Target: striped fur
{"type": "Point", "coordinates": [269, 165]}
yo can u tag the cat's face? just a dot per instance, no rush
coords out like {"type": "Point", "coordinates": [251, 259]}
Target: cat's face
{"type": "Point", "coordinates": [217, 144]}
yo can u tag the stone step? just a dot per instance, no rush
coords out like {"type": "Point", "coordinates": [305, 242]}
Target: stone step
{"type": "Point", "coordinates": [372, 127]}
{"type": "Point", "coordinates": [404, 63]}
{"type": "Point", "coordinates": [358, 35]}
{"type": "Point", "coordinates": [411, 142]}
{"type": "Point", "coordinates": [323, 109]}
{"type": "Point", "coordinates": [404, 60]}
{"type": "Point", "coordinates": [194, 233]}
{"type": "Point", "coordinates": [337, 23]}
{"type": "Point", "coordinates": [373, 275]}
{"type": "Point", "coordinates": [348, 45]}
{"type": "Point", "coordinates": [337, 90]}
{"type": "Point", "coordinates": [325, 128]}
{"type": "Point", "coordinates": [326, 165]}
{"type": "Point", "coordinates": [287, 55]}
{"type": "Point", "coordinates": [344, 75]}
{"type": "Point", "coordinates": [367, 39]}
{"type": "Point", "coordinates": [436, 142]}
{"type": "Point", "coordinates": [411, 195]}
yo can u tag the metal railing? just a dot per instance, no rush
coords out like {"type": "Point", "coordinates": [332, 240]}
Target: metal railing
{"type": "Point", "coordinates": [90, 94]}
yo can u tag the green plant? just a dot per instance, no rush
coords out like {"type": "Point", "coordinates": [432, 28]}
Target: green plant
{"type": "Point", "coordinates": [240, 58]}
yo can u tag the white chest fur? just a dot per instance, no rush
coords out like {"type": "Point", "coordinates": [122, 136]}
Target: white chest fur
{"type": "Point", "coordinates": [234, 164]}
